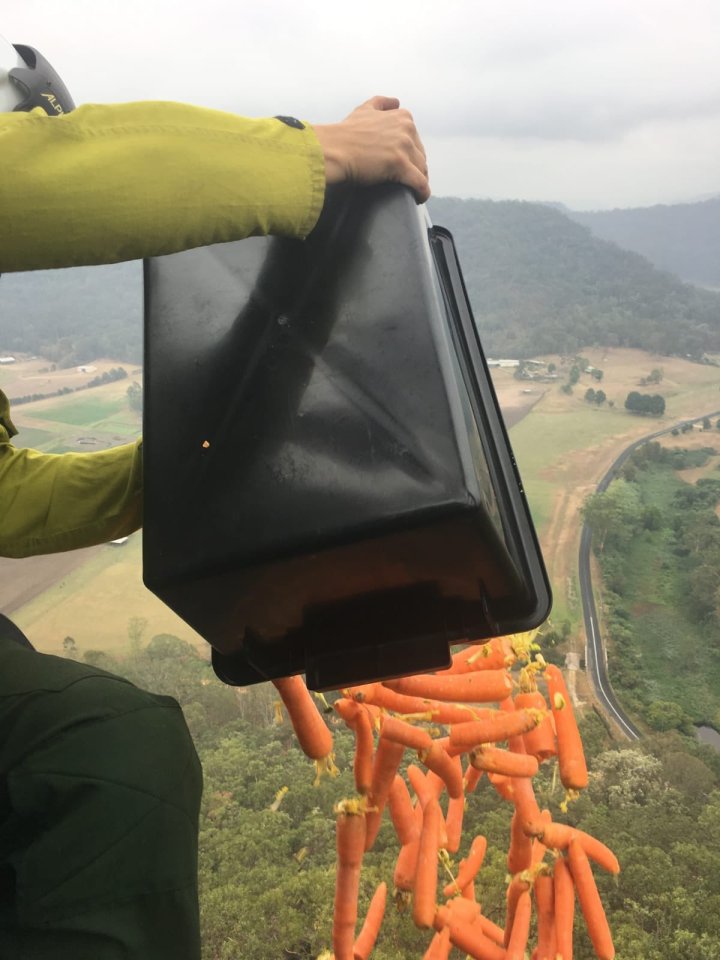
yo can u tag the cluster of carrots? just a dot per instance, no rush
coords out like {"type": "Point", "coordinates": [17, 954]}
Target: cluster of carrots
{"type": "Point", "coordinates": [548, 862]}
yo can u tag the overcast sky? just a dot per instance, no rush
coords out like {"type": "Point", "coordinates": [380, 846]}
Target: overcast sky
{"type": "Point", "coordinates": [594, 103]}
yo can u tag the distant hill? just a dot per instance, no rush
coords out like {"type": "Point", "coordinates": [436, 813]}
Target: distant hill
{"type": "Point", "coordinates": [541, 283]}
{"type": "Point", "coordinates": [72, 316]}
{"type": "Point", "coordinates": [683, 238]}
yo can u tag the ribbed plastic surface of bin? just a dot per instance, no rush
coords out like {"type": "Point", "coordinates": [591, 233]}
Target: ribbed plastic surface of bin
{"type": "Point", "coordinates": [329, 487]}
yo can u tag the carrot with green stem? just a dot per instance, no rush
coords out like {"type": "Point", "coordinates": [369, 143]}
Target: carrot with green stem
{"type": "Point", "coordinates": [371, 927]}
{"type": "Point", "coordinates": [483, 686]}
{"type": "Point", "coordinates": [311, 731]}
{"type": "Point", "coordinates": [350, 843]}
{"type": "Point", "coordinates": [564, 892]}
{"type": "Point", "coordinates": [494, 654]}
{"type": "Point", "coordinates": [571, 756]}
{"type": "Point", "coordinates": [540, 740]}
{"type": "Point", "coordinates": [590, 902]}
{"type": "Point", "coordinates": [425, 889]}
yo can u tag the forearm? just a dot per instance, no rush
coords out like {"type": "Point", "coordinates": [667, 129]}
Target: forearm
{"type": "Point", "coordinates": [120, 182]}
{"type": "Point", "coordinates": [51, 503]}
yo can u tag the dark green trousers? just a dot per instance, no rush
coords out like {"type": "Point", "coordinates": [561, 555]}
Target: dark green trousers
{"type": "Point", "coordinates": [99, 797]}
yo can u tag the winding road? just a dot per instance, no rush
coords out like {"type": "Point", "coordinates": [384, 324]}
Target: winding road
{"type": "Point", "coordinates": [595, 653]}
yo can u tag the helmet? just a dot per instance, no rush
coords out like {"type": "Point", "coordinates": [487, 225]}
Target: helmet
{"type": "Point", "coordinates": [27, 80]}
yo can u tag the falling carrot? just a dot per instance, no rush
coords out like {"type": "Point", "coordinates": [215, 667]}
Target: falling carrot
{"type": "Point", "coordinates": [370, 929]}
{"type": "Point", "coordinates": [350, 843]}
{"type": "Point", "coordinates": [517, 886]}
{"type": "Point", "coordinates": [387, 760]}
{"type": "Point", "coordinates": [399, 731]}
{"type": "Point", "coordinates": [545, 907]}
{"type": "Point", "coordinates": [492, 655]}
{"type": "Point", "coordinates": [418, 781]}
{"type": "Point", "coordinates": [499, 726]}
{"type": "Point", "coordinates": [440, 946]}
{"type": "Point", "coordinates": [358, 720]}
{"type": "Point", "coordinates": [436, 759]}
{"type": "Point", "coordinates": [590, 902]}
{"type": "Point", "coordinates": [520, 928]}
{"type": "Point", "coordinates": [502, 785]}
{"type": "Point", "coordinates": [558, 836]}
{"type": "Point", "coordinates": [469, 938]}
{"type": "Point", "coordinates": [564, 891]}
{"type": "Point", "coordinates": [540, 741]}
{"type": "Point", "coordinates": [479, 687]}
{"type": "Point", "coordinates": [425, 890]}
{"type": "Point", "coordinates": [454, 822]}
{"type": "Point", "coordinates": [310, 729]}
{"type": "Point", "coordinates": [495, 760]}
{"type": "Point", "coordinates": [523, 798]}
{"type": "Point", "coordinates": [472, 778]}
{"type": "Point", "coordinates": [469, 866]}
{"type": "Point", "coordinates": [520, 850]}
{"type": "Point", "coordinates": [401, 810]}
{"type": "Point", "coordinates": [571, 756]}
{"type": "Point", "coordinates": [378, 695]}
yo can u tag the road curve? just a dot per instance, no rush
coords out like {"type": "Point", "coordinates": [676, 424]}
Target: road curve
{"type": "Point", "coordinates": [595, 654]}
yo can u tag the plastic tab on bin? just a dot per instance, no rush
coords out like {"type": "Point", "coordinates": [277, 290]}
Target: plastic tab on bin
{"type": "Point", "coordinates": [329, 487]}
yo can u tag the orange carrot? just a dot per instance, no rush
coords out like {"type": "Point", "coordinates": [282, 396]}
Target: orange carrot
{"type": "Point", "coordinates": [564, 909]}
{"type": "Point", "coordinates": [540, 741]}
{"type": "Point", "coordinates": [590, 903]}
{"type": "Point", "coordinates": [520, 851]}
{"type": "Point", "coordinates": [492, 930]}
{"type": "Point", "coordinates": [440, 946]}
{"type": "Point", "coordinates": [387, 760]}
{"type": "Point", "coordinates": [479, 687]}
{"type": "Point", "coordinates": [310, 729]}
{"type": "Point", "coordinates": [350, 841]}
{"type": "Point", "coordinates": [462, 910]}
{"type": "Point", "coordinates": [436, 759]}
{"type": "Point", "coordinates": [425, 890]}
{"type": "Point", "coordinates": [520, 929]}
{"type": "Point", "coordinates": [402, 813]}
{"type": "Point", "coordinates": [503, 785]}
{"type": "Point", "coordinates": [401, 732]}
{"type": "Point", "coordinates": [471, 778]}
{"type": "Point", "coordinates": [496, 760]}
{"type": "Point", "coordinates": [469, 938]}
{"type": "Point", "coordinates": [381, 696]}
{"type": "Point", "coordinates": [571, 757]}
{"type": "Point", "coordinates": [468, 867]}
{"type": "Point", "coordinates": [498, 726]}
{"type": "Point", "coordinates": [454, 822]}
{"type": "Point", "coordinates": [358, 720]}
{"type": "Point", "coordinates": [516, 887]}
{"type": "Point", "coordinates": [492, 655]}
{"type": "Point", "coordinates": [545, 905]}
{"type": "Point", "coordinates": [558, 836]}
{"type": "Point", "coordinates": [418, 781]}
{"type": "Point", "coordinates": [370, 929]}
{"type": "Point", "coordinates": [406, 864]}
{"type": "Point", "coordinates": [523, 797]}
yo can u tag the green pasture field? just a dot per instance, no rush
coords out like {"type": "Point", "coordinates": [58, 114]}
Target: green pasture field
{"type": "Point", "coordinates": [82, 412]}
{"type": "Point", "coordinates": [34, 438]}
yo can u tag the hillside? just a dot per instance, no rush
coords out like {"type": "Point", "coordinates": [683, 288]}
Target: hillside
{"type": "Point", "coordinates": [683, 238]}
{"type": "Point", "coordinates": [541, 283]}
{"type": "Point", "coordinates": [538, 281]}
{"type": "Point", "coordinates": [72, 316]}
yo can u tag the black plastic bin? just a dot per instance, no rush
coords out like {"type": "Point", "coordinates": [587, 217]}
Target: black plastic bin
{"type": "Point", "coordinates": [329, 487]}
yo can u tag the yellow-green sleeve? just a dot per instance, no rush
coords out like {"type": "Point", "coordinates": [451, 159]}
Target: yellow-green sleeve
{"type": "Point", "coordinates": [57, 502]}
{"type": "Point", "coordinates": [115, 182]}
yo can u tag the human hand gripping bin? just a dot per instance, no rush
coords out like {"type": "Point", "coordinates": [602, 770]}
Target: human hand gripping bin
{"type": "Point", "coordinates": [329, 487]}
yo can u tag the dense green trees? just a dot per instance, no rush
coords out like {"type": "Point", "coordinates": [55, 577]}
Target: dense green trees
{"type": "Point", "coordinates": [651, 404]}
